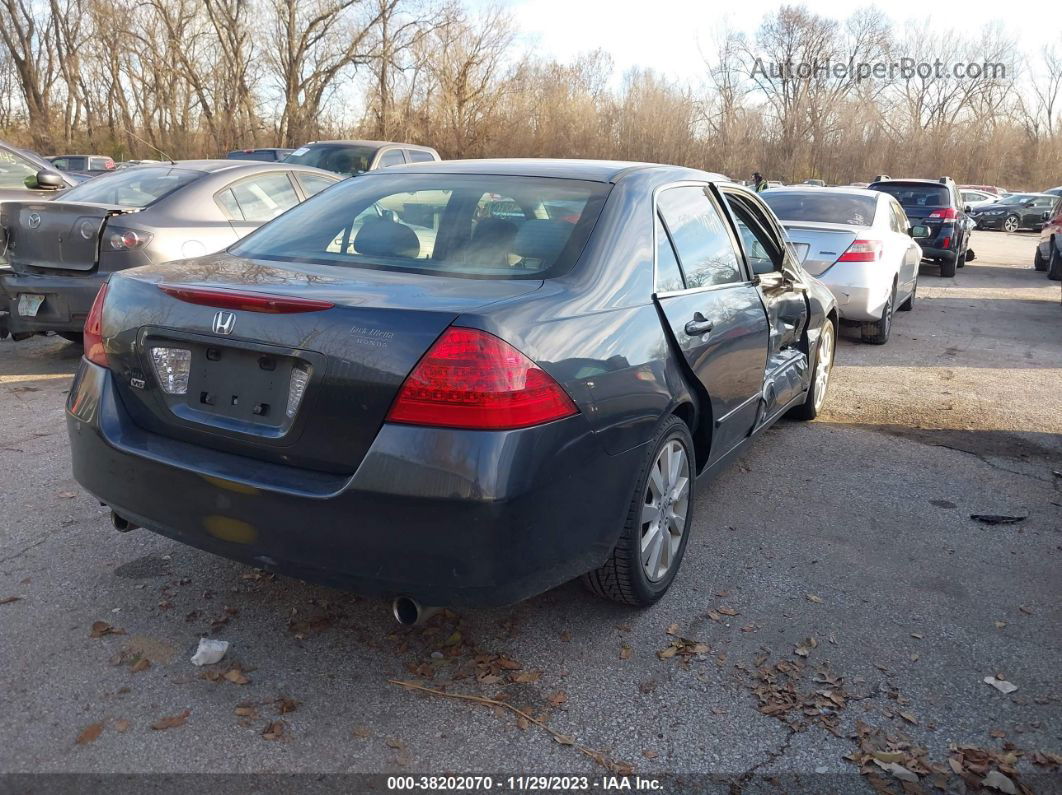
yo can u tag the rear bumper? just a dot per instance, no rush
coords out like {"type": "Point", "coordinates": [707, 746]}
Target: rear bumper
{"type": "Point", "coordinates": [929, 252]}
{"type": "Point", "coordinates": [860, 292]}
{"type": "Point", "coordinates": [66, 304]}
{"type": "Point", "coordinates": [448, 517]}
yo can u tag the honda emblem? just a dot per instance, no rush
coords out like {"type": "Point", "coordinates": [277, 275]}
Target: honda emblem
{"type": "Point", "coordinates": [224, 322]}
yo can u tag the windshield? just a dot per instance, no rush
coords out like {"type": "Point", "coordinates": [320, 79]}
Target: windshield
{"type": "Point", "coordinates": [917, 195]}
{"type": "Point", "coordinates": [341, 158]}
{"type": "Point", "coordinates": [133, 187]}
{"type": "Point", "coordinates": [831, 208]}
{"type": "Point", "coordinates": [1015, 198]}
{"type": "Point", "coordinates": [498, 227]}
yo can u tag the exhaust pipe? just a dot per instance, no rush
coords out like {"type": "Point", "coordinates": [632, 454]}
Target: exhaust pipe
{"type": "Point", "coordinates": [121, 524]}
{"type": "Point", "coordinates": [410, 613]}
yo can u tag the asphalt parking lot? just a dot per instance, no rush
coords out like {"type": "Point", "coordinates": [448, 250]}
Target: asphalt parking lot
{"type": "Point", "coordinates": [837, 600]}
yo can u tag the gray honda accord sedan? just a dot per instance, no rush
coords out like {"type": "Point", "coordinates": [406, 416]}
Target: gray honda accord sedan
{"type": "Point", "coordinates": [456, 383]}
{"type": "Point", "coordinates": [61, 251]}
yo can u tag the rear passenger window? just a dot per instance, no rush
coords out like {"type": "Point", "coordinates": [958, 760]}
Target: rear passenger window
{"type": "Point", "coordinates": [419, 156]}
{"type": "Point", "coordinates": [705, 249]}
{"type": "Point", "coordinates": [392, 157]}
{"type": "Point", "coordinates": [229, 206]}
{"type": "Point", "coordinates": [312, 184]}
{"type": "Point", "coordinates": [263, 198]}
{"type": "Point", "coordinates": [668, 274]}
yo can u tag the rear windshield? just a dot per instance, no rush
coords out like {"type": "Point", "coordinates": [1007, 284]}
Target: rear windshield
{"type": "Point", "coordinates": [474, 226]}
{"type": "Point", "coordinates": [917, 195]}
{"type": "Point", "coordinates": [340, 158]}
{"type": "Point", "coordinates": [132, 187]}
{"type": "Point", "coordinates": [830, 208]}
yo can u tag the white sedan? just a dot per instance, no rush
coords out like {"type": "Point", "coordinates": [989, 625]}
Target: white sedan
{"type": "Point", "coordinates": [860, 244]}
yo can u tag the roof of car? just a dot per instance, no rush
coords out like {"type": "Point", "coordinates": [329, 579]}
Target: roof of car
{"type": "Point", "coordinates": [212, 166]}
{"type": "Point", "coordinates": [918, 181]}
{"type": "Point", "coordinates": [372, 143]}
{"type": "Point", "coordinates": [590, 170]}
{"type": "Point", "coordinates": [812, 190]}
{"type": "Point", "coordinates": [54, 157]}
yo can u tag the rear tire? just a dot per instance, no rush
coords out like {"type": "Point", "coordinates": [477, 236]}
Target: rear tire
{"type": "Point", "coordinates": [877, 332]}
{"type": "Point", "coordinates": [820, 378]}
{"type": "Point", "coordinates": [1039, 263]}
{"type": "Point", "coordinates": [661, 504]}
{"type": "Point", "coordinates": [947, 268]}
{"type": "Point", "coordinates": [908, 305]}
{"type": "Point", "coordinates": [1054, 267]}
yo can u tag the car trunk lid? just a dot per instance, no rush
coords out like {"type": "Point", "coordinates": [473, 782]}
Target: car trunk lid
{"type": "Point", "coordinates": [55, 235]}
{"type": "Point", "coordinates": [820, 244]}
{"type": "Point", "coordinates": [352, 349]}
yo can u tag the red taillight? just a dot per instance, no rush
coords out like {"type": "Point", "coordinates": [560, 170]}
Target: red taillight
{"type": "Point", "coordinates": [246, 301]}
{"type": "Point", "coordinates": [862, 251]}
{"type": "Point", "coordinates": [946, 243]}
{"type": "Point", "coordinates": [945, 214]}
{"type": "Point", "coordinates": [472, 379]}
{"type": "Point", "coordinates": [93, 336]}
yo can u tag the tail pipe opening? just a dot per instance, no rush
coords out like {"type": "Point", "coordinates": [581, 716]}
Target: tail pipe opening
{"type": "Point", "coordinates": [121, 524]}
{"type": "Point", "coordinates": [410, 613]}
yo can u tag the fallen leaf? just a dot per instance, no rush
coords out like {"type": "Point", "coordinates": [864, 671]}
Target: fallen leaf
{"type": "Point", "coordinates": [1002, 685]}
{"type": "Point", "coordinates": [804, 649]}
{"type": "Point", "coordinates": [522, 723]}
{"type": "Point", "coordinates": [558, 698]}
{"type": "Point", "coordinates": [393, 743]}
{"type": "Point", "coordinates": [246, 711]}
{"type": "Point", "coordinates": [566, 636]}
{"type": "Point", "coordinates": [917, 635]}
{"type": "Point", "coordinates": [897, 770]}
{"type": "Point", "coordinates": [274, 730]}
{"type": "Point", "coordinates": [750, 628]}
{"type": "Point", "coordinates": [90, 733]}
{"type": "Point", "coordinates": [650, 754]}
{"type": "Point", "coordinates": [9, 599]}
{"type": "Point", "coordinates": [1027, 610]}
{"type": "Point", "coordinates": [812, 598]}
{"type": "Point", "coordinates": [361, 732]}
{"type": "Point", "coordinates": [140, 665]}
{"type": "Point", "coordinates": [285, 705]}
{"type": "Point", "coordinates": [914, 657]}
{"type": "Point", "coordinates": [714, 615]}
{"type": "Point", "coordinates": [1000, 624]}
{"type": "Point", "coordinates": [673, 629]}
{"type": "Point", "coordinates": [998, 781]}
{"type": "Point", "coordinates": [236, 676]}
{"type": "Point", "coordinates": [999, 734]}
{"type": "Point", "coordinates": [995, 518]}
{"type": "Point", "coordinates": [728, 611]}
{"type": "Point", "coordinates": [121, 725]}
{"type": "Point", "coordinates": [563, 739]}
{"type": "Point", "coordinates": [669, 652]}
{"type": "Point", "coordinates": [525, 677]}
{"type": "Point", "coordinates": [67, 495]}
{"type": "Point", "coordinates": [907, 716]}
{"type": "Point", "coordinates": [171, 722]}
{"type": "Point", "coordinates": [101, 628]}
{"type": "Point", "coordinates": [509, 665]}
{"type": "Point", "coordinates": [888, 756]}
{"type": "Point", "coordinates": [625, 651]}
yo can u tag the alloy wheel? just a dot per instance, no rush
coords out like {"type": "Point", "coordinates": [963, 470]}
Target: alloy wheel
{"type": "Point", "coordinates": [1010, 224]}
{"type": "Point", "coordinates": [664, 512]}
{"type": "Point", "coordinates": [823, 364]}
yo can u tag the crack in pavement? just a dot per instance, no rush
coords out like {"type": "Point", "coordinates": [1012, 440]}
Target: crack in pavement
{"type": "Point", "coordinates": [983, 459]}
{"type": "Point", "coordinates": [737, 785]}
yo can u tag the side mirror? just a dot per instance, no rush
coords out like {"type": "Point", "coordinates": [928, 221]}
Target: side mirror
{"type": "Point", "coordinates": [49, 180]}
{"type": "Point", "coordinates": [966, 208]}
{"type": "Point", "coordinates": [919, 231]}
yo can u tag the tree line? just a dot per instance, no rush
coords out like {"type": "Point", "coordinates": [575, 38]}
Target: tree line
{"type": "Point", "coordinates": [197, 78]}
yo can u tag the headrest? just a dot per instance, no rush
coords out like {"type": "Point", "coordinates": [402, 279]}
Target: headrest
{"type": "Point", "coordinates": [542, 240]}
{"type": "Point", "coordinates": [494, 230]}
{"type": "Point", "coordinates": [379, 237]}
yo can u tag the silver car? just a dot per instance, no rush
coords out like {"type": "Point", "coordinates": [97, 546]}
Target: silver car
{"type": "Point", "coordinates": [61, 251]}
{"type": "Point", "coordinates": [859, 244]}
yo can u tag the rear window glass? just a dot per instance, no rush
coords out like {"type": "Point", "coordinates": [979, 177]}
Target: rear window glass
{"type": "Point", "coordinates": [498, 227]}
{"type": "Point", "coordinates": [340, 158]}
{"type": "Point", "coordinates": [917, 195]}
{"type": "Point", "coordinates": [134, 187]}
{"type": "Point", "coordinates": [830, 208]}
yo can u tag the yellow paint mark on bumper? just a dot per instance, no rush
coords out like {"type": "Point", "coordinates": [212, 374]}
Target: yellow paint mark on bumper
{"type": "Point", "coordinates": [229, 485]}
{"type": "Point", "coordinates": [228, 529]}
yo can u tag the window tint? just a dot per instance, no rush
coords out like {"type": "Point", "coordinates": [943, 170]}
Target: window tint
{"type": "Point", "coordinates": [704, 246]}
{"type": "Point", "coordinates": [900, 222]}
{"type": "Point", "coordinates": [132, 187]}
{"type": "Point", "coordinates": [419, 156]}
{"type": "Point", "coordinates": [341, 158]}
{"type": "Point", "coordinates": [65, 164]}
{"type": "Point", "coordinates": [817, 205]}
{"type": "Point", "coordinates": [14, 170]}
{"type": "Point", "coordinates": [264, 198]}
{"type": "Point", "coordinates": [392, 157]}
{"type": "Point", "coordinates": [757, 240]}
{"type": "Point", "coordinates": [917, 195]}
{"type": "Point", "coordinates": [668, 274]}
{"type": "Point", "coordinates": [229, 206]}
{"type": "Point", "coordinates": [313, 184]}
{"type": "Point", "coordinates": [486, 226]}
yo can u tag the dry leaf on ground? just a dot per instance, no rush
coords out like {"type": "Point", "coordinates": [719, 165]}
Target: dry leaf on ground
{"type": "Point", "coordinates": [274, 730]}
{"type": "Point", "coordinates": [171, 722]}
{"type": "Point", "coordinates": [815, 599]}
{"type": "Point", "coordinates": [90, 733]}
{"type": "Point", "coordinates": [101, 628]}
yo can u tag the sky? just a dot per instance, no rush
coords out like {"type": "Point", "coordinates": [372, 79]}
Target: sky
{"type": "Point", "coordinates": [670, 35]}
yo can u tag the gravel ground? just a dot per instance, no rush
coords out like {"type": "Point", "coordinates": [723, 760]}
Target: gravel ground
{"type": "Point", "coordinates": [901, 602]}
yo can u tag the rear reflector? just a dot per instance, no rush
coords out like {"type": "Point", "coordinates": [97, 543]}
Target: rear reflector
{"type": "Point", "coordinates": [472, 379]}
{"type": "Point", "coordinates": [296, 389]}
{"type": "Point", "coordinates": [172, 366]}
{"type": "Point", "coordinates": [246, 301]}
{"type": "Point", "coordinates": [93, 335]}
{"type": "Point", "coordinates": [862, 251]}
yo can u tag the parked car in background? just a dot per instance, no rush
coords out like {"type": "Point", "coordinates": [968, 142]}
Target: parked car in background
{"type": "Point", "coordinates": [775, 183]}
{"type": "Point", "coordinates": [1048, 256]}
{"type": "Point", "coordinates": [815, 183]}
{"type": "Point", "coordinates": [939, 215]}
{"type": "Point", "coordinates": [268, 154]}
{"type": "Point", "coordinates": [1017, 211]}
{"type": "Point", "coordinates": [977, 198]}
{"type": "Point", "coordinates": [89, 165]}
{"type": "Point", "coordinates": [1055, 191]}
{"type": "Point", "coordinates": [24, 175]}
{"type": "Point", "coordinates": [130, 163]}
{"type": "Point", "coordinates": [525, 401]}
{"type": "Point", "coordinates": [357, 157]}
{"type": "Point", "coordinates": [989, 189]}
{"type": "Point", "coordinates": [61, 251]}
{"type": "Point", "coordinates": [858, 243]}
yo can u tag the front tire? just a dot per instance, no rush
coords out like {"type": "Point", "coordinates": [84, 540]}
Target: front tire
{"type": "Point", "coordinates": [647, 556]}
{"type": "Point", "coordinates": [1039, 263]}
{"type": "Point", "coordinates": [1011, 224]}
{"type": "Point", "coordinates": [820, 374]}
{"type": "Point", "coordinates": [1054, 267]}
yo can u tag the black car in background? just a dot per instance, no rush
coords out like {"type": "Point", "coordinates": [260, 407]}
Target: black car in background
{"type": "Point", "coordinates": [267, 154]}
{"type": "Point", "coordinates": [938, 214]}
{"type": "Point", "coordinates": [1017, 211]}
